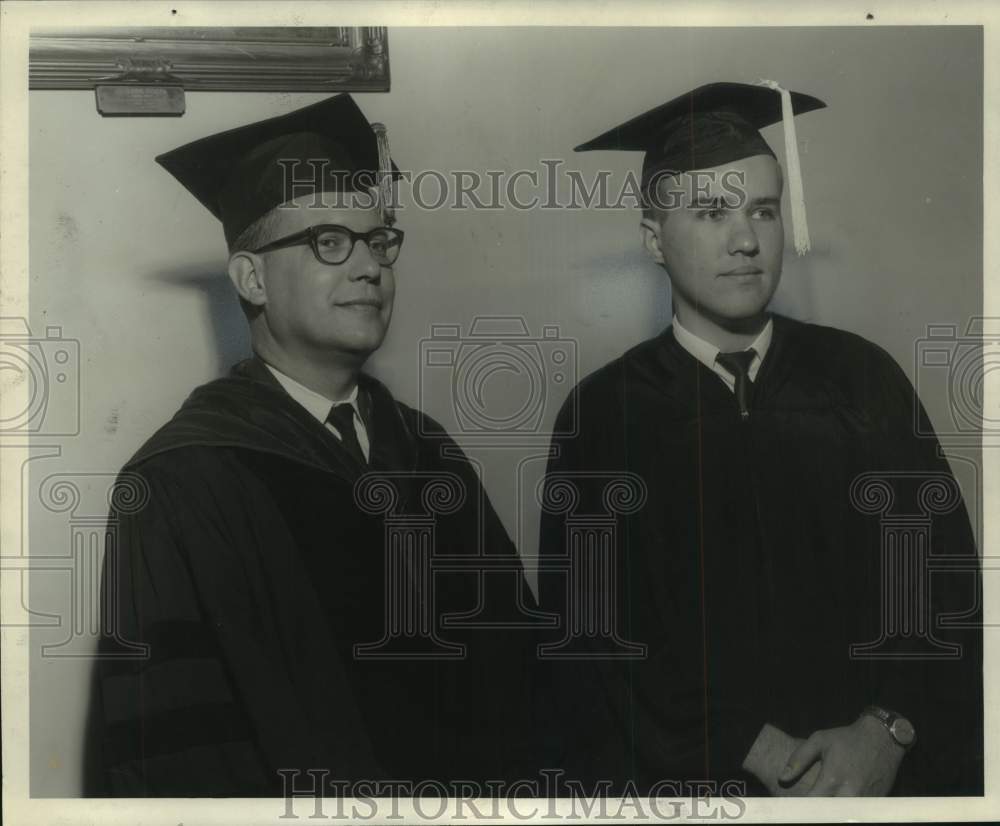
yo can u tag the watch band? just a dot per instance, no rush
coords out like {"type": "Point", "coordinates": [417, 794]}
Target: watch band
{"type": "Point", "coordinates": [900, 729]}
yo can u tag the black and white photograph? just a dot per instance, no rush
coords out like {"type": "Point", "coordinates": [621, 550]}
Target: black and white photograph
{"type": "Point", "coordinates": [559, 412]}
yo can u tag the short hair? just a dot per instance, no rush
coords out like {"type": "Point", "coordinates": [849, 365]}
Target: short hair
{"type": "Point", "coordinates": [253, 237]}
{"type": "Point", "coordinates": [256, 234]}
{"type": "Point", "coordinates": [649, 199]}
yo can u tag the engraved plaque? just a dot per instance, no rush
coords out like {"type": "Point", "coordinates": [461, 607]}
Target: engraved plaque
{"type": "Point", "coordinates": [122, 100]}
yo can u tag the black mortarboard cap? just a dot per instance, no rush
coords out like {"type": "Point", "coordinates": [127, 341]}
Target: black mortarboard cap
{"type": "Point", "coordinates": [237, 175]}
{"type": "Point", "coordinates": [712, 125]}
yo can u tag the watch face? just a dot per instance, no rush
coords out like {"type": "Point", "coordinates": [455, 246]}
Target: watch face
{"type": "Point", "coordinates": [903, 732]}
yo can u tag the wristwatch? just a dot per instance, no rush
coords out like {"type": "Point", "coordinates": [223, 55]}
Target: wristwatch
{"type": "Point", "coordinates": [899, 727]}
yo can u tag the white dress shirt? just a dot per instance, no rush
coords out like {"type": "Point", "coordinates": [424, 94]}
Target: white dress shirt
{"type": "Point", "coordinates": [706, 352]}
{"type": "Point", "coordinates": [320, 406]}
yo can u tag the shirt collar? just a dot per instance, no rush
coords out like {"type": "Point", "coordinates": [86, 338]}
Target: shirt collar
{"type": "Point", "coordinates": [318, 405]}
{"type": "Point", "coordinates": [705, 351]}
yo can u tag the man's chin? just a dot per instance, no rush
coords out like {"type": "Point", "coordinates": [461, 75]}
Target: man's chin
{"type": "Point", "coordinates": [740, 319]}
{"type": "Point", "coordinates": [358, 347]}
{"type": "Point", "coordinates": [745, 309]}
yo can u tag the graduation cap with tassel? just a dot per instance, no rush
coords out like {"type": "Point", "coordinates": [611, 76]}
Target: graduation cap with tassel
{"type": "Point", "coordinates": [716, 124]}
{"type": "Point", "coordinates": [242, 174]}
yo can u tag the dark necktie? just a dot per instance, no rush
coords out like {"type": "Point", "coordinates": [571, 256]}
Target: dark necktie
{"type": "Point", "coordinates": [341, 416]}
{"type": "Point", "coordinates": [738, 365]}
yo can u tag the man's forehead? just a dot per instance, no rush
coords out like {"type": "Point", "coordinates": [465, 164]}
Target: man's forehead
{"type": "Point", "coordinates": [359, 212]}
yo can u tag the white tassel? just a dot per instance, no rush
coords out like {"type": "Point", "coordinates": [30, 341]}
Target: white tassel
{"type": "Point", "coordinates": [800, 227]}
{"type": "Point", "coordinates": [384, 174]}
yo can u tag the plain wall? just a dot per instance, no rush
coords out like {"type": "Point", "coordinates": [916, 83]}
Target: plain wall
{"type": "Point", "coordinates": [128, 264]}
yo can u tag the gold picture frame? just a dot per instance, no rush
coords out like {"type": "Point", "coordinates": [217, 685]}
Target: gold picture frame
{"type": "Point", "coordinates": [252, 59]}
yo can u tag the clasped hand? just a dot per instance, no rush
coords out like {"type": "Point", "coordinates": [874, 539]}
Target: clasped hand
{"type": "Point", "coordinates": [861, 759]}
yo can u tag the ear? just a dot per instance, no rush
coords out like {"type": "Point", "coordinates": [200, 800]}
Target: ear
{"type": "Point", "coordinates": [650, 231]}
{"type": "Point", "coordinates": [246, 273]}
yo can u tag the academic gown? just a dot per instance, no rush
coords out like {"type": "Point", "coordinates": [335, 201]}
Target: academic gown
{"type": "Point", "coordinates": [251, 573]}
{"type": "Point", "coordinates": [748, 573]}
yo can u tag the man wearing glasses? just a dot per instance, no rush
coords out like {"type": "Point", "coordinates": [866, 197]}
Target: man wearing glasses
{"type": "Point", "coordinates": [257, 574]}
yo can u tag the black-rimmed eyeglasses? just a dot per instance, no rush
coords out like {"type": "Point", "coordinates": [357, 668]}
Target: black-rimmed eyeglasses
{"type": "Point", "coordinates": [333, 244]}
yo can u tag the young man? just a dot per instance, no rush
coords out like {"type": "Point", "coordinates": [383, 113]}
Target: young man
{"type": "Point", "coordinates": [756, 573]}
{"type": "Point", "coordinates": [258, 571]}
